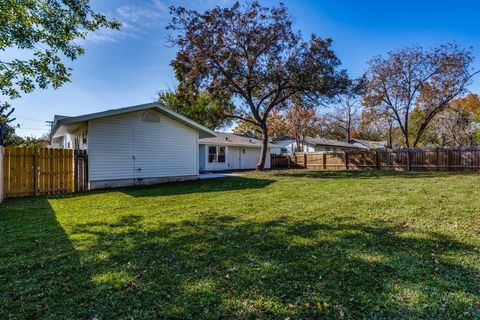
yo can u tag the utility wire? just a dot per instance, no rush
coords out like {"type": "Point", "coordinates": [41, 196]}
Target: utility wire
{"type": "Point", "coordinates": [25, 118]}
{"type": "Point", "coordinates": [26, 128]}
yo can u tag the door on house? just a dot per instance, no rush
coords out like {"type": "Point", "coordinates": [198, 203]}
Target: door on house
{"type": "Point", "coordinates": [248, 158]}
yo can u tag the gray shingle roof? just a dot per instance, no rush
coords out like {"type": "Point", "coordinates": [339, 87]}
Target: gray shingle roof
{"type": "Point", "coordinates": [370, 144]}
{"type": "Point", "coordinates": [232, 139]}
{"type": "Point", "coordinates": [330, 142]}
{"type": "Point", "coordinates": [324, 142]}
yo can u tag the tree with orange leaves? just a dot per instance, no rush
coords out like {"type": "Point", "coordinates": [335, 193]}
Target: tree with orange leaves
{"type": "Point", "coordinates": [277, 127]}
{"type": "Point", "coordinates": [301, 122]}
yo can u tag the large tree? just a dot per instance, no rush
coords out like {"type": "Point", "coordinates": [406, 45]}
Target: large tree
{"type": "Point", "coordinates": [46, 33]}
{"type": "Point", "coordinates": [200, 107]}
{"type": "Point", "coordinates": [415, 78]}
{"type": "Point", "coordinates": [42, 34]}
{"type": "Point", "coordinates": [251, 54]}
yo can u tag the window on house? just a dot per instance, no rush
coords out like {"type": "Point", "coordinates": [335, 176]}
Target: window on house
{"type": "Point", "coordinates": [327, 148]}
{"type": "Point", "coordinates": [212, 154]}
{"type": "Point", "coordinates": [283, 150]}
{"type": "Point", "coordinates": [216, 154]}
{"type": "Point", "coordinates": [221, 154]}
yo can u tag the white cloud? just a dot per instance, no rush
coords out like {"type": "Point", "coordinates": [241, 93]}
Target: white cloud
{"type": "Point", "coordinates": [135, 21]}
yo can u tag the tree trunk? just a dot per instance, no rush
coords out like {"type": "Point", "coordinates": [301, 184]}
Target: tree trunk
{"type": "Point", "coordinates": [405, 130]}
{"type": "Point", "coordinates": [263, 150]}
{"type": "Point", "coordinates": [390, 136]}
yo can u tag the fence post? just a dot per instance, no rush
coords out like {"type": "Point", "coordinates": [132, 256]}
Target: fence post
{"type": "Point", "coordinates": [76, 171]}
{"type": "Point", "coordinates": [1, 175]}
{"type": "Point", "coordinates": [346, 159]}
{"type": "Point", "coordinates": [448, 159]}
{"type": "Point", "coordinates": [377, 161]}
{"type": "Point", "coordinates": [324, 161]}
{"type": "Point", "coordinates": [305, 160]}
{"type": "Point", "coordinates": [35, 171]}
{"type": "Point", "coordinates": [408, 160]}
{"type": "Point", "coordinates": [288, 161]}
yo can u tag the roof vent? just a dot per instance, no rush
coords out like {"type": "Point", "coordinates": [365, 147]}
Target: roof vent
{"type": "Point", "coordinates": [150, 116]}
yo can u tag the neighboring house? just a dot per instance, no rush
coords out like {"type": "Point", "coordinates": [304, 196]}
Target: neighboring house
{"type": "Point", "coordinates": [229, 151]}
{"type": "Point", "coordinates": [142, 144]}
{"type": "Point", "coordinates": [288, 144]}
{"type": "Point", "coordinates": [370, 144]}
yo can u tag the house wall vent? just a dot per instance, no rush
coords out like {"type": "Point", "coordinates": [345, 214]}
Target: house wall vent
{"type": "Point", "coordinates": [150, 116]}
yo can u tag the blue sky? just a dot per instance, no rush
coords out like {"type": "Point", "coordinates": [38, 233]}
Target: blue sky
{"type": "Point", "coordinates": [129, 67]}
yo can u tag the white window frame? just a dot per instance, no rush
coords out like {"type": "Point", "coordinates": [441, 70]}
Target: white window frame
{"type": "Point", "coordinates": [217, 154]}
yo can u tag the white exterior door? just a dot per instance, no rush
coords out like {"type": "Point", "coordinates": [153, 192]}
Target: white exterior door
{"type": "Point", "coordinates": [249, 157]}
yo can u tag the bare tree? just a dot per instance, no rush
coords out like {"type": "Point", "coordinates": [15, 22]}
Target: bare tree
{"type": "Point", "coordinates": [413, 77]}
{"type": "Point", "coordinates": [346, 115]}
{"type": "Point", "coordinates": [251, 54]}
{"type": "Point", "coordinates": [457, 124]}
{"type": "Point", "coordinates": [377, 126]}
{"type": "Point", "coordinates": [454, 128]}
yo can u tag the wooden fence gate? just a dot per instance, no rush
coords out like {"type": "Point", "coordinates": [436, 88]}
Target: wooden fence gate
{"type": "Point", "coordinates": [37, 171]}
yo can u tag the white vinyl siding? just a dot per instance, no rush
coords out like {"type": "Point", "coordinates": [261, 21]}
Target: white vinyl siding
{"type": "Point", "coordinates": [249, 158]}
{"type": "Point", "coordinates": [291, 146]}
{"type": "Point", "coordinates": [236, 159]}
{"type": "Point", "coordinates": [125, 147]}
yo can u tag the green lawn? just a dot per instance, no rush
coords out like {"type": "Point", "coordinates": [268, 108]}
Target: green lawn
{"type": "Point", "coordinates": [298, 244]}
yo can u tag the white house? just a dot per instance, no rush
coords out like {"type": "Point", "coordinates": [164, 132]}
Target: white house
{"type": "Point", "coordinates": [142, 144]}
{"type": "Point", "coordinates": [229, 151]}
{"type": "Point", "coordinates": [288, 144]}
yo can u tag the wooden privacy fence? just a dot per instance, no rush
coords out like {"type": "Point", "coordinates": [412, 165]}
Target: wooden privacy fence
{"type": "Point", "coordinates": [37, 171]}
{"type": "Point", "coordinates": [405, 159]}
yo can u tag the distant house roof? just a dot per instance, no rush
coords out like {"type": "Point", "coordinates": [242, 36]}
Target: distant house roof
{"type": "Point", "coordinates": [330, 142]}
{"type": "Point", "coordinates": [323, 142]}
{"type": "Point", "coordinates": [234, 140]}
{"type": "Point", "coordinates": [63, 124]}
{"type": "Point", "coordinates": [369, 144]}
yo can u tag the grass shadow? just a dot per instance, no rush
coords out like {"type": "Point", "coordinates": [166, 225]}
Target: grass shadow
{"type": "Point", "coordinates": [223, 184]}
{"type": "Point", "coordinates": [219, 266]}
{"type": "Point", "coordinates": [41, 272]}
